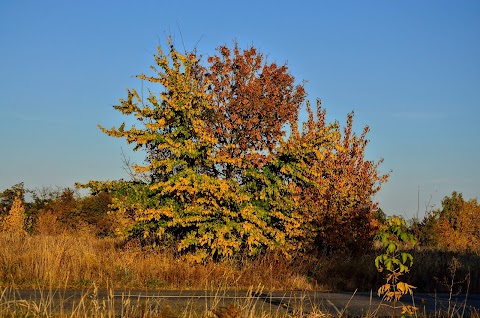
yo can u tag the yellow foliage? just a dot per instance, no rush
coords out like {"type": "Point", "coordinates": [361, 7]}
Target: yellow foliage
{"type": "Point", "coordinates": [14, 222]}
{"type": "Point", "coordinates": [459, 230]}
{"type": "Point", "coordinates": [222, 180]}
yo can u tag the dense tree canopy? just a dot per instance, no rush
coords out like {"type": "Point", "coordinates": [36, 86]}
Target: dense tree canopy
{"type": "Point", "coordinates": [454, 227]}
{"type": "Point", "coordinates": [223, 175]}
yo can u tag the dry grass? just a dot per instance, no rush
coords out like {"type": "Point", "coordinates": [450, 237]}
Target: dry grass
{"type": "Point", "coordinates": [91, 304]}
{"type": "Point", "coordinates": [432, 271]}
{"type": "Point", "coordinates": [68, 260]}
{"type": "Point", "coordinates": [79, 259]}
{"type": "Point", "coordinates": [56, 257]}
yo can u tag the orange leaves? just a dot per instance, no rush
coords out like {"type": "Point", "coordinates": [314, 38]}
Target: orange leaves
{"type": "Point", "coordinates": [337, 184]}
{"type": "Point", "coordinates": [252, 103]}
{"type": "Point", "coordinates": [222, 178]}
{"type": "Point", "coordinates": [457, 226]}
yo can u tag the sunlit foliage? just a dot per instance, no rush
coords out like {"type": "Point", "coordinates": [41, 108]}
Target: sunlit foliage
{"type": "Point", "coordinates": [223, 177]}
{"type": "Point", "coordinates": [395, 262]}
{"type": "Point", "coordinates": [335, 183]}
{"type": "Point", "coordinates": [454, 227]}
{"type": "Point", "coordinates": [14, 221]}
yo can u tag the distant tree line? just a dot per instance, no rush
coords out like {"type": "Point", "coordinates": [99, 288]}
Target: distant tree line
{"type": "Point", "coordinates": [51, 210]}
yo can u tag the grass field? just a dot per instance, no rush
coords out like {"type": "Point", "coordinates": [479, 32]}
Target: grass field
{"type": "Point", "coordinates": [80, 260]}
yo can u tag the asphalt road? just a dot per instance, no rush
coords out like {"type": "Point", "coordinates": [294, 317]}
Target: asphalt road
{"type": "Point", "coordinates": [338, 304]}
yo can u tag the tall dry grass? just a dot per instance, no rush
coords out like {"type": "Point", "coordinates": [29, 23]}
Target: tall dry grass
{"type": "Point", "coordinates": [55, 257]}
{"type": "Point", "coordinates": [81, 259]}
{"type": "Point", "coordinates": [91, 304]}
{"type": "Point", "coordinates": [68, 260]}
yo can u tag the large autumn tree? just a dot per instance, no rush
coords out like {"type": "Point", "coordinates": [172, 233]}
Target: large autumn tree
{"type": "Point", "coordinates": [223, 177]}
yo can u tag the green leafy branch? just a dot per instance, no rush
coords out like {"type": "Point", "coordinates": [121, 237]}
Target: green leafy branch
{"type": "Point", "coordinates": [395, 261]}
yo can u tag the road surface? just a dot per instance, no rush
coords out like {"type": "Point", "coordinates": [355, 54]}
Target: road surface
{"type": "Point", "coordinates": [337, 304]}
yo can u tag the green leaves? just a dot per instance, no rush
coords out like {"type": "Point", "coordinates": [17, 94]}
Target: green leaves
{"type": "Point", "coordinates": [206, 142]}
{"type": "Point", "coordinates": [221, 178]}
{"type": "Point", "coordinates": [392, 247]}
{"type": "Point", "coordinates": [395, 261]}
{"type": "Point", "coordinates": [407, 257]}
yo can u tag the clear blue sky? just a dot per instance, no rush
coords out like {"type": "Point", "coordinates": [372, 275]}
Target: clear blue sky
{"type": "Point", "coordinates": [409, 69]}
